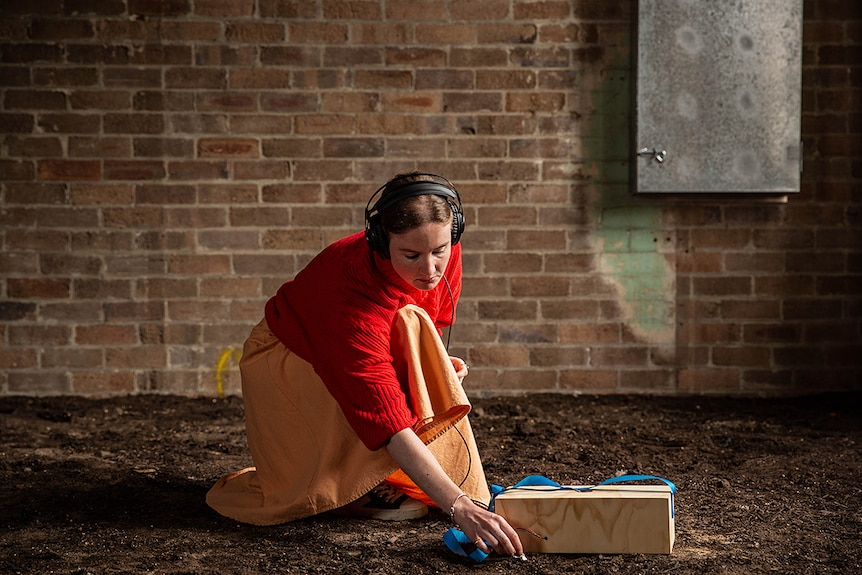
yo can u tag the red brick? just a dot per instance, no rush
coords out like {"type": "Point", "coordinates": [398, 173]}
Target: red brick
{"type": "Point", "coordinates": [196, 217]}
{"type": "Point", "coordinates": [423, 10]}
{"type": "Point", "coordinates": [507, 310]}
{"type": "Point", "coordinates": [310, 170]}
{"type": "Point", "coordinates": [72, 358]}
{"type": "Point", "coordinates": [709, 380]}
{"type": "Point", "coordinates": [18, 358]}
{"type": "Point", "coordinates": [199, 264]}
{"type": "Point", "coordinates": [38, 335]}
{"type": "Point", "coordinates": [230, 287]}
{"type": "Point", "coordinates": [67, 170]}
{"type": "Point", "coordinates": [764, 262]}
{"type": "Point", "coordinates": [545, 10]}
{"type": "Point", "coordinates": [69, 123]}
{"type": "Point", "coordinates": [34, 100]}
{"type": "Point", "coordinates": [266, 124]}
{"type": "Point", "coordinates": [619, 356]}
{"type": "Point", "coordinates": [298, 56]}
{"type": "Point", "coordinates": [261, 170]}
{"type": "Point", "coordinates": [472, 102]}
{"type": "Point", "coordinates": [101, 382]}
{"type": "Point", "coordinates": [295, 102]}
{"type": "Point", "coordinates": [320, 79]}
{"type": "Point", "coordinates": [195, 78]}
{"type": "Point", "coordinates": [590, 333]}
{"type": "Point", "coordinates": [479, 10]}
{"type": "Point", "coordinates": [39, 382]}
{"type": "Point", "coordinates": [227, 193]}
{"type": "Point", "coordinates": [134, 170]}
{"type": "Point", "coordinates": [224, 8]}
{"type": "Point", "coordinates": [415, 57]}
{"type": "Point", "coordinates": [647, 380]}
{"type": "Point", "coordinates": [384, 79]}
{"type": "Point", "coordinates": [200, 170]}
{"type": "Point", "coordinates": [228, 147]}
{"type": "Point", "coordinates": [133, 123]}
{"type": "Point", "coordinates": [16, 171]}
{"type": "Point", "coordinates": [259, 79]}
{"type": "Point", "coordinates": [106, 335]}
{"type": "Point", "coordinates": [744, 356]}
{"type": "Point", "coordinates": [136, 357]}
{"type": "Point", "coordinates": [589, 379]}
{"type": "Point", "coordinates": [163, 101]}
{"type": "Point", "coordinates": [317, 33]}
{"type": "Point", "coordinates": [563, 34]}
{"type": "Point", "coordinates": [37, 288]}
{"type": "Point", "coordinates": [36, 194]}
{"type": "Point", "coordinates": [353, 147]}
{"type": "Point", "coordinates": [16, 123]}
{"type": "Point", "coordinates": [100, 147]}
{"type": "Point", "coordinates": [382, 33]}
{"type": "Point", "coordinates": [352, 10]}
{"type": "Point", "coordinates": [536, 241]}
{"type": "Point", "coordinates": [570, 309]}
{"type": "Point", "coordinates": [820, 309]}
{"type": "Point", "coordinates": [201, 310]}
{"type": "Point", "coordinates": [124, 77]}
{"type": "Point", "coordinates": [448, 33]}
{"type": "Point", "coordinates": [322, 216]}
{"type": "Point", "coordinates": [558, 356]}
{"type": "Point", "coordinates": [163, 147]}
{"type": "Point", "coordinates": [70, 264]}
{"type": "Point", "coordinates": [758, 309]}
{"type": "Point", "coordinates": [499, 356]}
{"type": "Point", "coordinates": [550, 57]}
{"type": "Point", "coordinates": [722, 285]}
{"type": "Point", "coordinates": [77, 77]}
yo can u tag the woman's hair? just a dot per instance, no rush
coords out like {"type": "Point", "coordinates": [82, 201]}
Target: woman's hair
{"type": "Point", "coordinates": [413, 212]}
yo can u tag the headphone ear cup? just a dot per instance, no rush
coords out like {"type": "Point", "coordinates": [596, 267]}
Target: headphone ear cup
{"type": "Point", "coordinates": [375, 235]}
{"type": "Point", "coordinates": [457, 222]}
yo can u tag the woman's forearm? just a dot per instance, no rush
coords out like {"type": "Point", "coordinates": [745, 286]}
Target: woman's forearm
{"type": "Point", "coordinates": [488, 530]}
{"type": "Point", "coordinates": [417, 461]}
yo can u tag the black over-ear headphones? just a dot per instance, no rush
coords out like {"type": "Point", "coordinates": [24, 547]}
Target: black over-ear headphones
{"type": "Point", "coordinates": [440, 186]}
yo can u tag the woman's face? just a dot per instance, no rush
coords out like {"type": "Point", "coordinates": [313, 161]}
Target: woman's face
{"type": "Point", "coordinates": [420, 255]}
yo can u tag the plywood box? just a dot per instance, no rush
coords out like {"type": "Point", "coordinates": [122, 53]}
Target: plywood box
{"type": "Point", "coordinates": [596, 519]}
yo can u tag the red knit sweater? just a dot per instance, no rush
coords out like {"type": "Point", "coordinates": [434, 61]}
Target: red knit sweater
{"type": "Point", "coordinates": [338, 314]}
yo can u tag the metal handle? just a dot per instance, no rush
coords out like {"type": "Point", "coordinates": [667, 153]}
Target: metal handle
{"type": "Point", "coordinates": [658, 155]}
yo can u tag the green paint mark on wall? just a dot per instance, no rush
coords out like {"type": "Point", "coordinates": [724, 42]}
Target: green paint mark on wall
{"type": "Point", "coordinates": [628, 231]}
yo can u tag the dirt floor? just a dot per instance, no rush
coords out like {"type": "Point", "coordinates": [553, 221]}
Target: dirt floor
{"type": "Point", "coordinates": [117, 486]}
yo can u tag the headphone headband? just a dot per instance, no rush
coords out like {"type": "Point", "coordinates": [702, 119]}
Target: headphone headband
{"type": "Point", "coordinates": [395, 192]}
{"type": "Point", "coordinates": [408, 190]}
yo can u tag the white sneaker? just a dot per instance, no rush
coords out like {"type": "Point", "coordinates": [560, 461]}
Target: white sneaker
{"type": "Point", "coordinates": [386, 503]}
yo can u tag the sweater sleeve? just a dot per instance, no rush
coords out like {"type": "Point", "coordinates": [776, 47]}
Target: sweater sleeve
{"type": "Point", "coordinates": [338, 315]}
{"type": "Point", "coordinates": [357, 369]}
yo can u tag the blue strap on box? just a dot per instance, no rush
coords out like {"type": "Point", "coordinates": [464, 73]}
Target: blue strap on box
{"type": "Point", "coordinates": [458, 542]}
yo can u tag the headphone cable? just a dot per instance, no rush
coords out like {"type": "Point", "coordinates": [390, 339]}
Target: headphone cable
{"type": "Point", "coordinates": [455, 427]}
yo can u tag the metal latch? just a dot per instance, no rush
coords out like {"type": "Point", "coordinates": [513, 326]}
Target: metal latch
{"type": "Point", "coordinates": [658, 155]}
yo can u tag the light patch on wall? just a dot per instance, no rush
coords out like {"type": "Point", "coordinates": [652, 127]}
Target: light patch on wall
{"type": "Point", "coordinates": [635, 253]}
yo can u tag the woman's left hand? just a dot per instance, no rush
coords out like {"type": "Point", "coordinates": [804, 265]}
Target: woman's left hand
{"type": "Point", "coordinates": [461, 367]}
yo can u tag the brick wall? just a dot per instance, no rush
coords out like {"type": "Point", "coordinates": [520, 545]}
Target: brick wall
{"type": "Point", "coordinates": [167, 164]}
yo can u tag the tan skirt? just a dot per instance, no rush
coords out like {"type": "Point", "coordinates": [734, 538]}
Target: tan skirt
{"type": "Point", "coordinates": [308, 459]}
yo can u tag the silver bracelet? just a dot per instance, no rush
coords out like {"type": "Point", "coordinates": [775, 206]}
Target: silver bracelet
{"type": "Point", "coordinates": [452, 507]}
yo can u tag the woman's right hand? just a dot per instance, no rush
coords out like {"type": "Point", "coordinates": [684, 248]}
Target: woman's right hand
{"type": "Point", "coordinates": [487, 530]}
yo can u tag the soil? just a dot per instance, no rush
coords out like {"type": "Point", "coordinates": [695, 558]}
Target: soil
{"type": "Point", "coordinates": [117, 485]}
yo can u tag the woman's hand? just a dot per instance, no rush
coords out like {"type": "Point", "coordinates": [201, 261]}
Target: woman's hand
{"type": "Point", "coordinates": [476, 522]}
{"type": "Point", "coordinates": [488, 531]}
{"type": "Point", "coordinates": [461, 367]}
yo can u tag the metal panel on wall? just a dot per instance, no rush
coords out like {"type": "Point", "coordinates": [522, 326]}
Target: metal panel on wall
{"type": "Point", "coordinates": [718, 96]}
